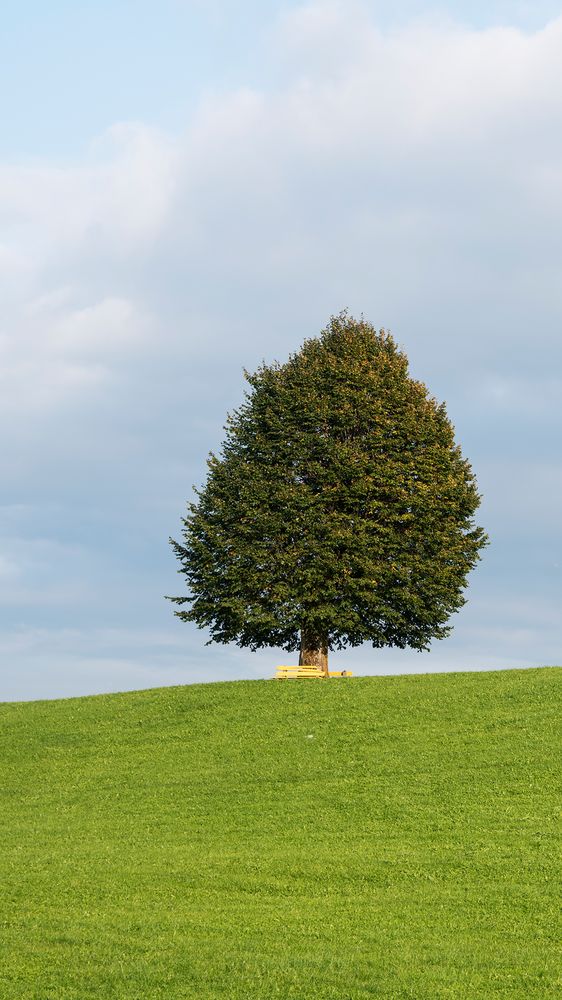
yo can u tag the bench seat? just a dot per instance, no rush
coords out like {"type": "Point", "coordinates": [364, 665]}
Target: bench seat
{"type": "Point", "coordinates": [283, 673]}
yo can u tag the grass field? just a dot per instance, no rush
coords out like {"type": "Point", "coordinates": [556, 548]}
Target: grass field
{"type": "Point", "coordinates": [375, 837]}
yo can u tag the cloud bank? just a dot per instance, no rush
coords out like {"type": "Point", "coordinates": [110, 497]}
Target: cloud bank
{"type": "Point", "coordinates": [412, 173]}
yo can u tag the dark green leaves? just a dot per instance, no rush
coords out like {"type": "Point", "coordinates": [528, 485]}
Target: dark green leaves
{"type": "Point", "coordinates": [340, 505]}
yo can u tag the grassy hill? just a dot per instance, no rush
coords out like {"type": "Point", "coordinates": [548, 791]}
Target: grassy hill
{"type": "Point", "coordinates": [375, 837]}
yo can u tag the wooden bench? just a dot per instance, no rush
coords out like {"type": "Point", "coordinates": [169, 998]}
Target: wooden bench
{"type": "Point", "coordinates": [284, 673]}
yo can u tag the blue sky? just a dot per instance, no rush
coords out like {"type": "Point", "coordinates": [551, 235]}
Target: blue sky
{"type": "Point", "coordinates": [70, 70]}
{"type": "Point", "coordinates": [188, 190]}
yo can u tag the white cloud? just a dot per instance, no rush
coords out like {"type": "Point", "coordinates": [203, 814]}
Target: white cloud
{"type": "Point", "coordinates": [412, 173]}
{"type": "Point", "coordinates": [120, 194]}
{"type": "Point", "coordinates": [56, 354]}
{"type": "Point", "coordinates": [434, 148]}
{"type": "Point", "coordinates": [105, 327]}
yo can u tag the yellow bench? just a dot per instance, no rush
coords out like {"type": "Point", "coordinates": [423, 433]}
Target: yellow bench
{"type": "Point", "coordinates": [283, 673]}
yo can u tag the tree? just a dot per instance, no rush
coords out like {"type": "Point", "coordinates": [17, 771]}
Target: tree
{"type": "Point", "coordinates": [339, 511]}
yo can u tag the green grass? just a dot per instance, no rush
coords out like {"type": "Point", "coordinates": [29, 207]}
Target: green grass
{"type": "Point", "coordinates": [375, 837]}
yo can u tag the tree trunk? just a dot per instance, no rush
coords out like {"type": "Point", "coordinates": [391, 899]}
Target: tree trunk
{"type": "Point", "coordinates": [313, 652]}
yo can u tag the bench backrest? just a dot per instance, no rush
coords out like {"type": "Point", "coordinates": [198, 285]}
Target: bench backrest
{"type": "Point", "coordinates": [303, 671]}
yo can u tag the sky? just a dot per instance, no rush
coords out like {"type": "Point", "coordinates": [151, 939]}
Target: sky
{"type": "Point", "coordinates": [191, 188]}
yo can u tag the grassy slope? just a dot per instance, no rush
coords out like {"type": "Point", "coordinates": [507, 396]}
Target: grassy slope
{"type": "Point", "coordinates": [379, 837]}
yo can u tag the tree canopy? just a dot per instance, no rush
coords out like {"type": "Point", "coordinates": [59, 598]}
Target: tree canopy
{"type": "Point", "coordinates": [340, 509]}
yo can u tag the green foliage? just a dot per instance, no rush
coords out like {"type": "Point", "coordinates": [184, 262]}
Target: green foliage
{"type": "Point", "coordinates": [372, 838]}
{"type": "Point", "coordinates": [340, 506]}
